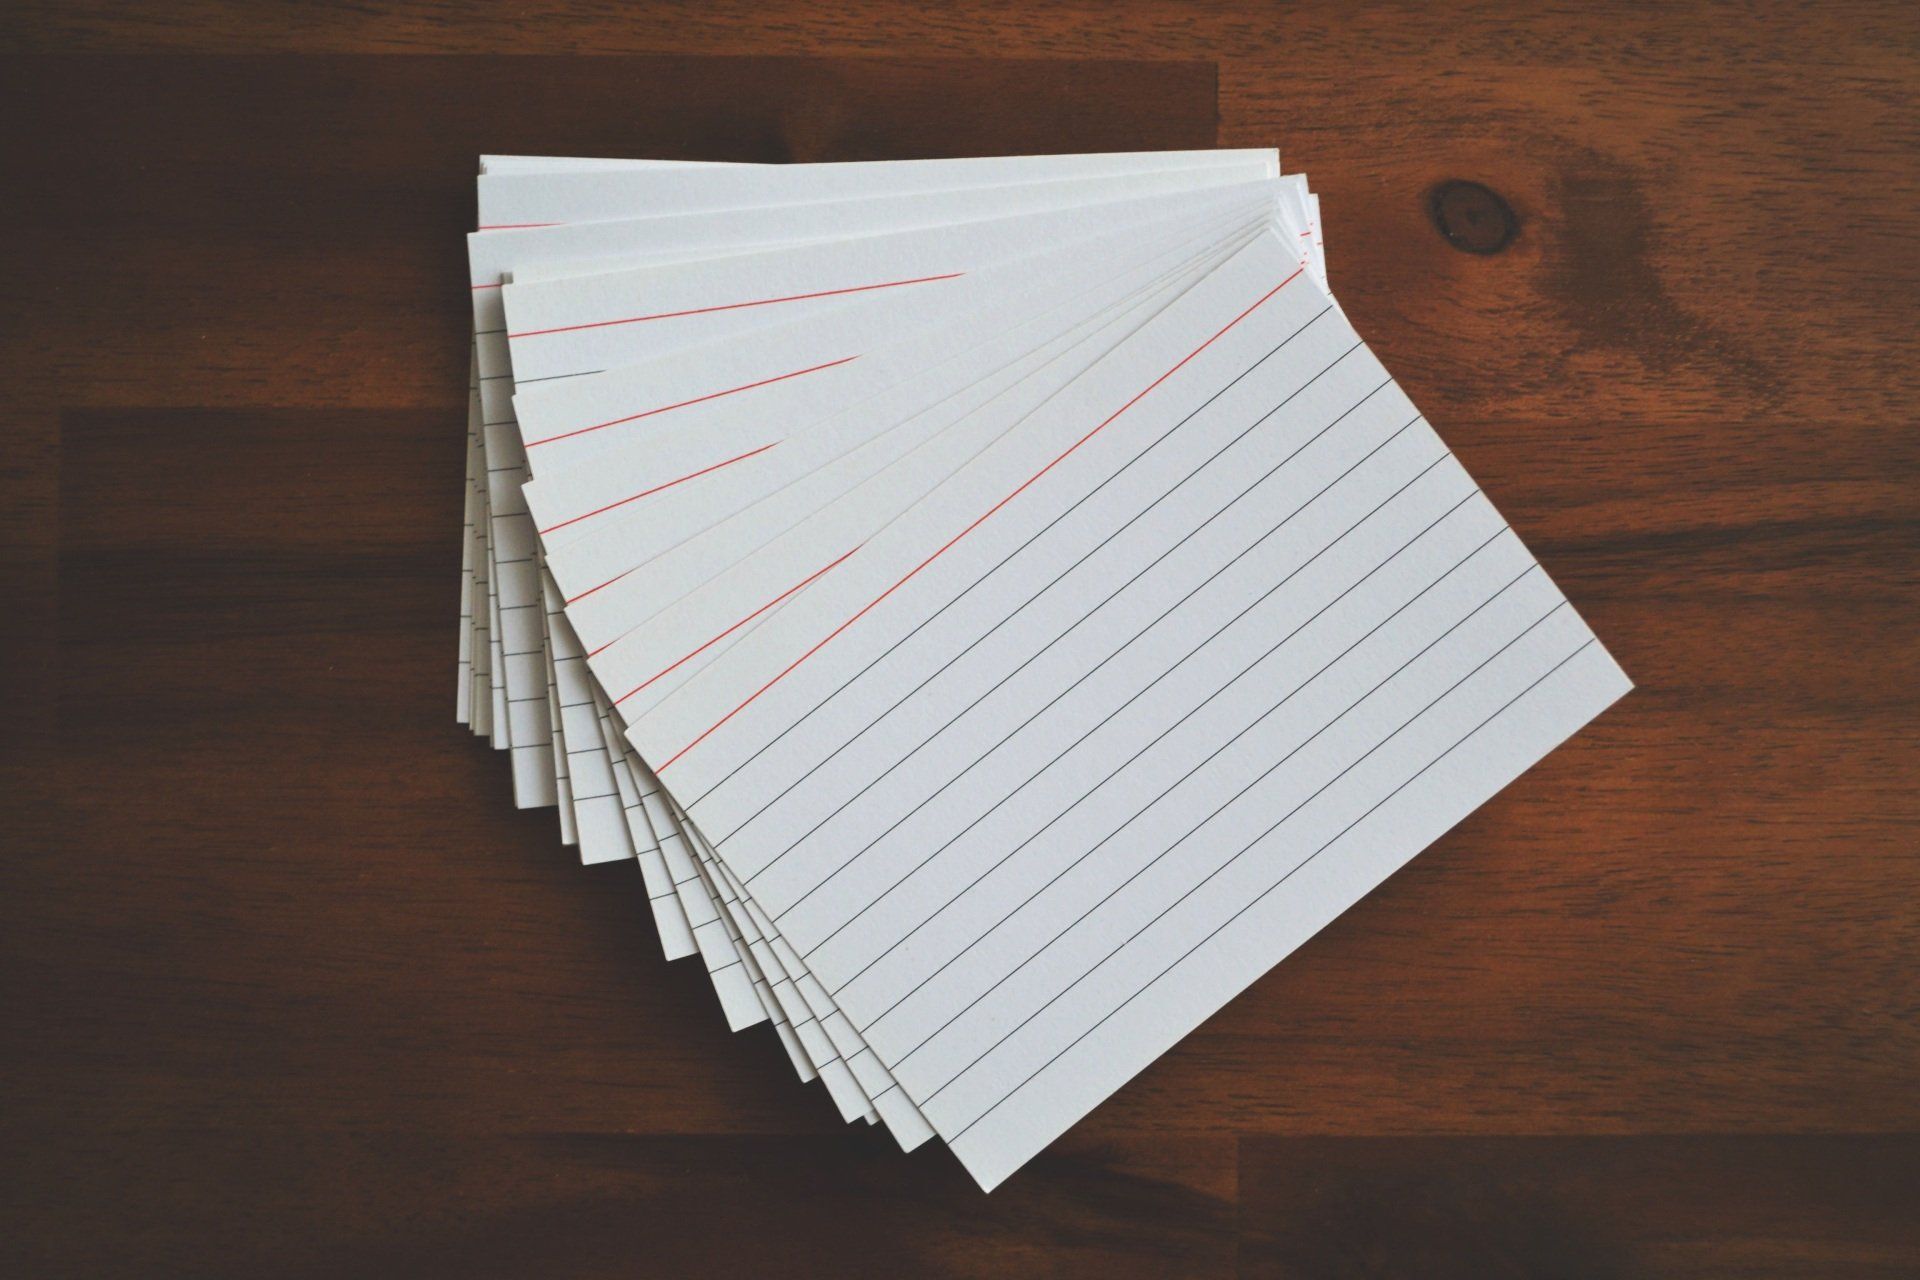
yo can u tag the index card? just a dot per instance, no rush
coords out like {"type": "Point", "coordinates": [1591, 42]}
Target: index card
{"type": "Point", "coordinates": [906, 1123]}
{"type": "Point", "coordinates": [599, 828]}
{"type": "Point", "coordinates": [522, 663]}
{"type": "Point", "coordinates": [901, 1117]}
{"type": "Point", "coordinates": [605, 788]}
{"type": "Point", "coordinates": [1224, 614]}
{"type": "Point", "coordinates": [679, 238]}
{"type": "Point", "coordinates": [517, 563]}
{"type": "Point", "coordinates": [1001, 605]}
{"type": "Point", "coordinates": [853, 1051]}
{"type": "Point", "coordinates": [509, 201]}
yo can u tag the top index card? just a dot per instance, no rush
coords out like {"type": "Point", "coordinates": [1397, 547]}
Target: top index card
{"type": "Point", "coordinates": [1045, 772]}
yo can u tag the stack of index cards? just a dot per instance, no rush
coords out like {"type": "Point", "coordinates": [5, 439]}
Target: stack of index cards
{"type": "Point", "coordinates": [1001, 604]}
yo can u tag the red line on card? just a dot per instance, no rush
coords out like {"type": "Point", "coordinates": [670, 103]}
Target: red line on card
{"type": "Point", "coordinates": [691, 475]}
{"type": "Point", "coordinates": [477, 287]}
{"type": "Point", "coordinates": [979, 520]}
{"type": "Point", "coordinates": [712, 395]}
{"type": "Point", "coordinates": [735, 627]}
{"type": "Point", "coordinates": [735, 306]}
{"type": "Point", "coordinates": [518, 226]}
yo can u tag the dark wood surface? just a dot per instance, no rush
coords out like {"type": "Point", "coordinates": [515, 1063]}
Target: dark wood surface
{"type": "Point", "coordinates": [290, 988]}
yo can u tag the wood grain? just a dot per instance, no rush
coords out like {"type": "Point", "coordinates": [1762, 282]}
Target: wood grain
{"type": "Point", "coordinates": [289, 986]}
{"type": "Point", "coordinates": [1512, 1208]}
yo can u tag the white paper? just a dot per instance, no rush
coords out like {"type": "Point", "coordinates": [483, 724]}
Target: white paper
{"type": "Point", "coordinates": [1001, 605]}
{"type": "Point", "coordinates": [1107, 593]}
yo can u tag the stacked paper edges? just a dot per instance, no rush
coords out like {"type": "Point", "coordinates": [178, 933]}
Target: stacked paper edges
{"type": "Point", "coordinates": [1001, 604]}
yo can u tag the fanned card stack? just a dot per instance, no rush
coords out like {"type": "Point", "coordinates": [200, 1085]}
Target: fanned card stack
{"type": "Point", "coordinates": [1000, 604]}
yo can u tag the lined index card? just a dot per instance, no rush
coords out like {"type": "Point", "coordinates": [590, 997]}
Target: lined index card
{"type": "Point", "coordinates": [988, 691]}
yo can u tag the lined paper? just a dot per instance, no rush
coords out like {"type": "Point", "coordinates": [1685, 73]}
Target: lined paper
{"type": "Point", "coordinates": [996, 642]}
{"type": "Point", "coordinates": [594, 815]}
{"type": "Point", "coordinates": [515, 563]}
{"type": "Point", "coordinates": [845, 1040]}
{"type": "Point", "coordinates": [524, 671]}
{"type": "Point", "coordinates": [1294, 450]}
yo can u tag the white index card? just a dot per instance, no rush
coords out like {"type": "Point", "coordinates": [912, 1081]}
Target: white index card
{"type": "Point", "coordinates": [516, 201]}
{"type": "Point", "coordinates": [1063, 620]}
{"type": "Point", "coordinates": [1000, 605]}
{"type": "Point", "coordinates": [519, 662]}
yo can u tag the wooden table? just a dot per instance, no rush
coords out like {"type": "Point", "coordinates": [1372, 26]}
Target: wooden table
{"type": "Point", "coordinates": [291, 989]}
